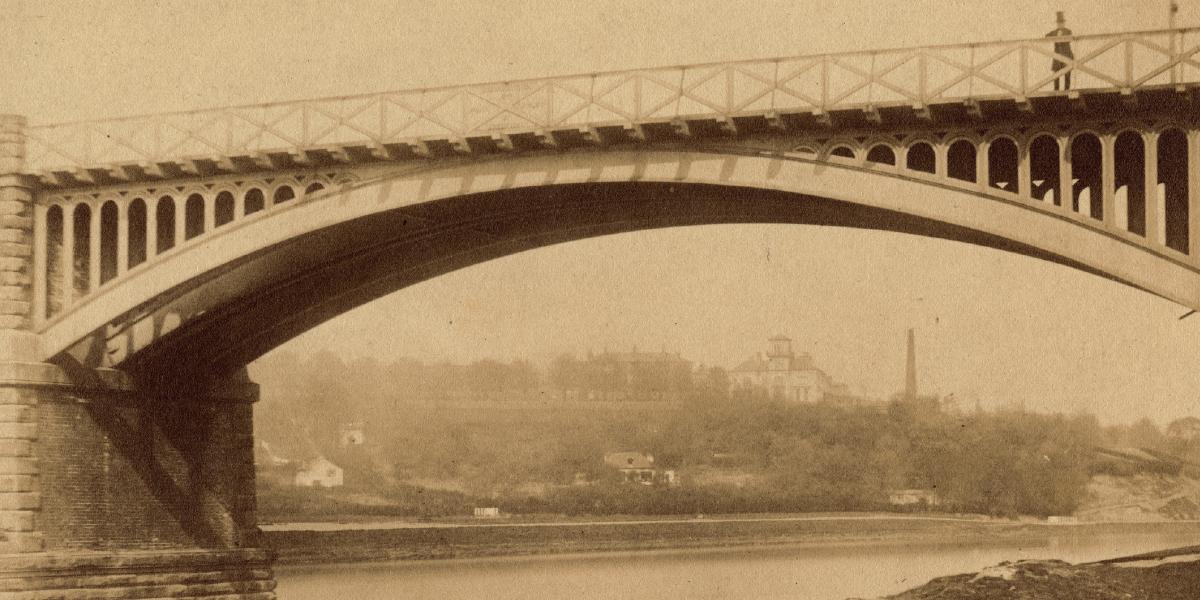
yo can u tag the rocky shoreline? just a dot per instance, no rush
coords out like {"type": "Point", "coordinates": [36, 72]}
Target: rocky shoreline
{"type": "Point", "coordinates": [1168, 575]}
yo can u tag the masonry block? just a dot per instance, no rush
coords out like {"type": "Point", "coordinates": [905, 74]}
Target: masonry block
{"type": "Point", "coordinates": [13, 201]}
{"type": "Point", "coordinates": [14, 193]}
{"type": "Point", "coordinates": [19, 395]}
{"type": "Point", "coordinates": [15, 249]}
{"type": "Point", "coordinates": [136, 470]}
{"type": "Point", "coordinates": [11, 465]}
{"type": "Point", "coordinates": [17, 413]}
{"type": "Point", "coordinates": [19, 501]}
{"type": "Point", "coordinates": [16, 222]}
{"type": "Point", "coordinates": [14, 307]}
{"type": "Point", "coordinates": [20, 431]}
{"type": "Point", "coordinates": [15, 236]}
{"type": "Point", "coordinates": [14, 277]}
{"type": "Point", "coordinates": [12, 292]}
{"type": "Point", "coordinates": [16, 448]}
{"type": "Point", "coordinates": [223, 575]}
{"type": "Point", "coordinates": [18, 483]}
{"type": "Point", "coordinates": [16, 520]}
{"type": "Point", "coordinates": [111, 492]}
{"type": "Point", "coordinates": [21, 542]}
{"type": "Point", "coordinates": [12, 321]}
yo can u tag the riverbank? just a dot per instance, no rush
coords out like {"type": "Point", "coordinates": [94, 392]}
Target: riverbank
{"type": "Point", "coordinates": [366, 542]}
{"type": "Point", "coordinates": [1171, 575]}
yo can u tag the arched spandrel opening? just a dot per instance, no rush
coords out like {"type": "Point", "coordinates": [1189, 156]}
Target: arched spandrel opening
{"type": "Point", "coordinates": [223, 209]}
{"type": "Point", "coordinates": [1013, 221]}
{"type": "Point", "coordinates": [108, 241]}
{"type": "Point", "coordinates": [1044, 173]}
{"type": "Point", "coordinates": [1129, 178]}
{"type": "Point", "coordinates": [1086, 172]}
{"type": "Point", "coordinates": [254, 201]}
{"type": "Point", "coordinates": [842, 152]}
{"type": "Point", "coordinates": [881, 154]}
{"type": "Point", "coordinates": [165, 219]}
{"type": "Point", "coordinates": [1173, 187]}
{"type": "Point", "coordinates": [81, 253]}
{"type": "Point", "coordinates": [193, 209]}
{"type": "Point", "coordinates": [960, 161]}
{"type": "Point", "coordinates": [137, 233]}
{"type": "Point", "coordinates": [316, 186]}
{"type": "Point", "coordinates": [54, 254]}
{"type": "Point", "coordinates": [921, 158]}
{"type": "Point", "coordinates": [284, 194]}
{"type": "Point", "coordinates": [1003, 162]}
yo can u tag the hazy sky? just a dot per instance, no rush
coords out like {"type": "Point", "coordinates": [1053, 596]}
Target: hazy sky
{"type": "Point", "coordinates": [992, 326]}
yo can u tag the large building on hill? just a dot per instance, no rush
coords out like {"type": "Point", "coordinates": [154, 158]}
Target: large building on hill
{"type": "Point", "coordinates": [786, 375]}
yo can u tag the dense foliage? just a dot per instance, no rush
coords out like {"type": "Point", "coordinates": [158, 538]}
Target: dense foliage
{"type": "Point", "coordinates": [546, 455]}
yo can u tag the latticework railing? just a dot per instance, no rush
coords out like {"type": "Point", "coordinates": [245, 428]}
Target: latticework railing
{"type": "Point", "coordinates": [1020, 70]}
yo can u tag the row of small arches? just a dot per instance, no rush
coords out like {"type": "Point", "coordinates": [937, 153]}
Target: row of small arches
{"type": "Point", "coordinates": [1084, 154]}
{"type": "Point", "coordinates": [154, 226]}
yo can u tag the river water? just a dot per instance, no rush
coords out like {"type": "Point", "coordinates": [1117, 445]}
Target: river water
{"type": "Point", "coordinates": [801, 572]}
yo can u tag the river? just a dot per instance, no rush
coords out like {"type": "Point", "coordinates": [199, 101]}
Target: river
{"type": "Point", "coordinates": [798, 572]}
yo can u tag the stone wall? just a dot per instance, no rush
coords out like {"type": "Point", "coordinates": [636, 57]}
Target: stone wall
{"type": "Point", "coordinates": [124, 470]}
{"type": "Point", "coordinates": [16, 224]}
{"type": "Point", "coordinates": [228, 575]}
{"type": "Point", "coordinates": [108, 490]}
{"type": "Point", "coordinates": [19, 485]}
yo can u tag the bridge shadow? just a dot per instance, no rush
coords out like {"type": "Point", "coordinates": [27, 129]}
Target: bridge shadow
{"type": "Point", "coordinates": [167, 446]}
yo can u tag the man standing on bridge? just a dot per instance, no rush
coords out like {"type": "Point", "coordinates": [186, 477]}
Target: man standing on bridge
{"type": "Point", "coordinates": [1062, 48]}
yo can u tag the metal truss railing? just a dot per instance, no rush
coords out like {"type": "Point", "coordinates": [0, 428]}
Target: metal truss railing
{"type": "Point", "coordinates": [919, 77]}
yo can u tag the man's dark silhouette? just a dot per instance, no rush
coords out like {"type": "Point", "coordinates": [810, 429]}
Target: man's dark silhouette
{"type": "Point", "coordinates": [1062, 47]}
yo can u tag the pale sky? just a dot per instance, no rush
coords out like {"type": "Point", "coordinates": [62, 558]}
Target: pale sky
{"type": "Point", "coordinates": [991, 325]}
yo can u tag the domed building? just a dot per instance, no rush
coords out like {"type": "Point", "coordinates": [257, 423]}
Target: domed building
{"type": "Point", "coordinates": [785, 375]}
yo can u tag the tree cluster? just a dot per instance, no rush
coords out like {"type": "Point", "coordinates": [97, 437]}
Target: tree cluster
{"type": "Point", "coordinates": [813, 456]}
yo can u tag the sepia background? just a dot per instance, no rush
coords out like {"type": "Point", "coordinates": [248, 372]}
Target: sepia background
{"type": "Point", "coordinates": [993, 331]}
{"type": "Point", "coordinates": [992, 327]}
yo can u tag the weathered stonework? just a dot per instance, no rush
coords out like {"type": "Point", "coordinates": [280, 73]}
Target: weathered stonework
{"type": "Point", "coordinates": [16, 218]}
{"type": "Point", "coordinates": [109, 490]}
{"type": "Point", "coordinates": [19, 490]}
{"type": "Point", "coordinates": [229, 574]}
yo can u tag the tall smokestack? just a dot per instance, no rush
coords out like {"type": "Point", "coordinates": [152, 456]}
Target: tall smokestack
{"type": "Point", "coordinates": [910, 380]}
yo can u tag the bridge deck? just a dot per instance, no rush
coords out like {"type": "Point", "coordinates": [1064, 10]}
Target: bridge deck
{"type": "Point", "coordinates": [913, 83]}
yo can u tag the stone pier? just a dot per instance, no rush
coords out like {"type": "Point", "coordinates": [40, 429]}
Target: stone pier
{"type": "Point", "coordinates": [110, 488]}
{"type": "Point", "coordinates": [113, 491]}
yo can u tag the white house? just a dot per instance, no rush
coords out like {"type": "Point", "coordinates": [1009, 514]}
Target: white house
{"type": "Point", "coordinates": [635, 467]}
{"type": "Point", "coordinates": [319, 472]}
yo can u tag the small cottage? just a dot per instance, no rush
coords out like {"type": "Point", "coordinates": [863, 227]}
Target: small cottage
{"type": "Point", "coordinates": [635, 467]}
{"type": "Point", "coordinates": [319, 472]}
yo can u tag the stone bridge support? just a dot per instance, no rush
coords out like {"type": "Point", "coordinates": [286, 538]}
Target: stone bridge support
{"type": "Point", "coordinates": [116, 492]}
{"type": "Point", "coordinates": [110, 488]}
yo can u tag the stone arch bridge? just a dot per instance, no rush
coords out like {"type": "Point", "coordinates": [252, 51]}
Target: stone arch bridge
{"type": "Point", "coordinates": [145, 261]}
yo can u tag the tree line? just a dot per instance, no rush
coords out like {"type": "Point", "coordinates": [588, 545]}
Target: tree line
{"type": "Point", "coordinates": [795, 457]}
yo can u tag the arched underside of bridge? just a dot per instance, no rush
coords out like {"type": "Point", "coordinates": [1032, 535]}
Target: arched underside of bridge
{"type": "Point", "coordinates": [211, 308]}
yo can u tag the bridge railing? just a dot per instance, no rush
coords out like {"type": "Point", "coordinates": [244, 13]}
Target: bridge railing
{"type": "Point", "coordinates": [816, 84]}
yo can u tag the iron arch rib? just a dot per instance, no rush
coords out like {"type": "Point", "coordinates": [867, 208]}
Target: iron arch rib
{"type": "Point", "coordinates": [486, 227]}
{"type": "Point", "coordinates": [234, 299]}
